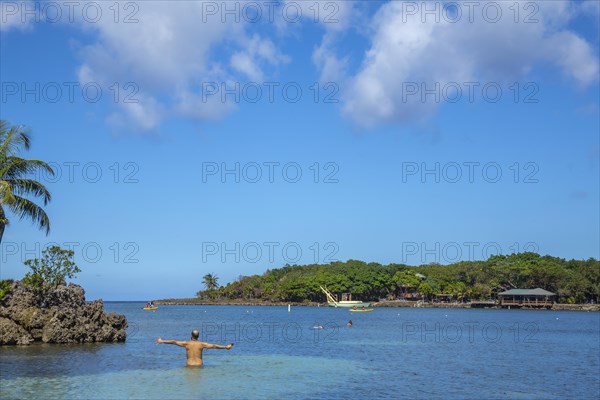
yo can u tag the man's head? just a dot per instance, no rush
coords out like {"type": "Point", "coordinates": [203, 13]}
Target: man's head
{"type": "Point", "coordinates": [195, 334]}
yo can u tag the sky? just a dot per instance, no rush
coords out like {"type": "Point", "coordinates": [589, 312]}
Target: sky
{"type": "Point", "coordinates": [193, 137]}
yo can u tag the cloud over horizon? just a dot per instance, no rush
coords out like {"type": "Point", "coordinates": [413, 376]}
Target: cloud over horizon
{"type": "Point", "coordinates": [409, 46]}
{"type": "Point", "coordinates": [175, 48]}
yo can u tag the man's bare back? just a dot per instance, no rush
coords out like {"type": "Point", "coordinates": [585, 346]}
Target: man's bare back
{"type": "Point", "coordinates": [194, 348]}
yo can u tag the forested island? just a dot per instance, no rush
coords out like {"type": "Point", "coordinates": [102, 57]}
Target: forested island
{"type": "Point", "coordinates": [574, 281]}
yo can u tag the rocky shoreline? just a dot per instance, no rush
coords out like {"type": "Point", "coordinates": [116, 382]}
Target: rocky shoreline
{"type": "Point", "coordinates": [382, 304]}
{"type": "Point", "coordinates": [63, 317]}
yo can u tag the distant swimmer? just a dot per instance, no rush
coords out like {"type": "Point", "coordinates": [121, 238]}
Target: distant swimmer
{"type": "Point", "coordinates": [349, 324]}
{"type": "Point", "coordinates": [194, 348]}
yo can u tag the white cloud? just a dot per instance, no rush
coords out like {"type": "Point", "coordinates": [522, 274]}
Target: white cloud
{"type": "Point", "coordinates": [171, 53]}
{"type": "Point", "coordinates": [333, 15]}
{"type": "Point", "coordinates": [255, 50]}
{"type": "Point", "coordinates": [332, 67]}
{"type": "Point", "coordinates": [13, 15]}
{"type": "Point", "coordinates": [144, 115]}
{"type": "Point", "coordinates": [336, 18]}
{"type": "Point", "coordinates": [591, 7]}
{"type": "Point", "coordinates": [407, 47]}
{"type": "Point", "coordinates": [574, 56]}
{"type": "Point", "coordinates": [244, 63]}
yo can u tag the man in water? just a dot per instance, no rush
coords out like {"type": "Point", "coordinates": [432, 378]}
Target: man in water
{"type": "Point", "coordinates": [194, 348]}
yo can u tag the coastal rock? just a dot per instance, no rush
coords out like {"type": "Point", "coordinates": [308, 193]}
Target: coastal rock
{"type": "Point", "coordinates": [61, 316]}
{"type": "Point", "coordinates": [19, 298]}
{"type": "Point", "coordinates": [73, 295]}
{"type": "Point", "coordinates": [11, 333]}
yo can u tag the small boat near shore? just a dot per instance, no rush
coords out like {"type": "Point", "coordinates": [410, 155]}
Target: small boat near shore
{"type": "Point", "coordinates": [346, 301]}
{"type": "Point", "coordinates": [361, 310]}
{"type": "Point", "coordinates": [150, 306]}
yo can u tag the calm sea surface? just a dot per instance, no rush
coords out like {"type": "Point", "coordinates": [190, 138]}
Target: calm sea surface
{"type": "Point", "coordinates": [311, 353]}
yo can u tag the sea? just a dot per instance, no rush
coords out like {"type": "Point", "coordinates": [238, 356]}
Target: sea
{"type": "Point", "coordinates": [312, 353]}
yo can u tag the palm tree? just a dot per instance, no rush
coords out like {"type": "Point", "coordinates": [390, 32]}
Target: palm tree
{"type": "Point", "coordinates": [14, 183]}
{"type": "Point", "coordinates": [211, 282]}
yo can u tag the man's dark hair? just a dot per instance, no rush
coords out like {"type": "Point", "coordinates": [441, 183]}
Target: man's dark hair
{"type": "Point", "coordinates": [195, 334]}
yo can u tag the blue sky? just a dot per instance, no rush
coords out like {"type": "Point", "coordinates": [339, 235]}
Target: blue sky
{"type": "Point", "coordinates": [182, 144]}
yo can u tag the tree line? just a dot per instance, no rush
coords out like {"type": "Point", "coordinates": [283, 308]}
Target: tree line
{"type": "Point", "coordinates": [574, 281]}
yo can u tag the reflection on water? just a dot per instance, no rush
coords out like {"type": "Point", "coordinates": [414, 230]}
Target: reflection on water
{"type": "Point", "coordinates": [388, 353]}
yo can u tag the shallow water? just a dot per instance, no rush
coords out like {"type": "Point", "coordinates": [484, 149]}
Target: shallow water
{"type": "Point", "coordinates": [311, 353]}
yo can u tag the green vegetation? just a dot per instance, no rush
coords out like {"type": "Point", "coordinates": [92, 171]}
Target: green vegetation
{"type": "Point", "coordinates": [211, 284]}
{"type": "Point", "coordinates": [5, 286]}
{"type": "Point", "coordinates": [14, 183]}
{"type": "Point", "coordinates": [51, 270]}
{"type": "Point", "coordinates": [575, 281]}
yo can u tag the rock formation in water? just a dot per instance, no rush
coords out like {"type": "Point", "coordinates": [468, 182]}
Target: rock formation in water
{"type": "Point", "coordinates": [63, 317]}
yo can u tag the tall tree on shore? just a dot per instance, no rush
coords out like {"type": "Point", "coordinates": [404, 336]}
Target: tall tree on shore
{"type": "Point", "coordinates": [211, 282]}
{"type": "Point", "coordinates": [15, 184]}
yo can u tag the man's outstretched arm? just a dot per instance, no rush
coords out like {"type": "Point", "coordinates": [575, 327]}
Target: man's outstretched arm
{"type": "Point", "coordinates": [217, 346]}
{"type": "Point", "coordinates": [175, 342]}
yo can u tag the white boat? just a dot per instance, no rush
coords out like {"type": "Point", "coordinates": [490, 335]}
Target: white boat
{"type": "Point", "coordinates": [346, 301]}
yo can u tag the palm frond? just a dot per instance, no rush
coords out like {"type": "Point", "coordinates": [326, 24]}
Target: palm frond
{"type": "Point", "coordinates": [13, 138]}
{"type": "Point", "coordinates": [16, 180]}
{"type": "Point", "coordinates": [16, 167]}
{"type": "Point", "coordinates": [25, 208]}
{"type": "Point", "coordinates": [21, 186]}
{"type": "Point", "coordinates": [3, 219]}
{"type": "Point", "coordinates": [6, 194]}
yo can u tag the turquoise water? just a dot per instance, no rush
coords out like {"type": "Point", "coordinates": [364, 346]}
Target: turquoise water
{"type": "Point", "coordinates": [311, 353]}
